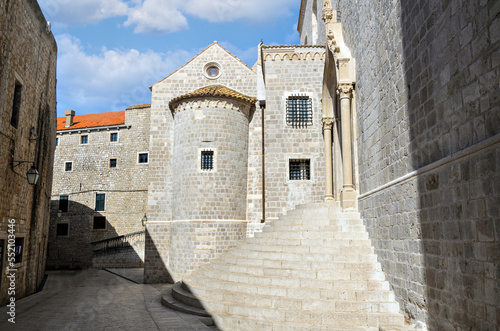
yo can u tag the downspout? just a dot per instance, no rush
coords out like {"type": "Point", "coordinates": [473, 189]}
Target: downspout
{"type": "Point", "coordinates": [261, 96]}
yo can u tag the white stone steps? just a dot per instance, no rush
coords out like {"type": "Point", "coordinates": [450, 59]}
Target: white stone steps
{"type": "Point", "coordinates": [332, 249]}
{"type": "Point", "coordinates": [311, 228]}
{"type": "Point", "coordinates": [312, 235]}
{"type": "Point", "coordinates": [282, 244]}
{"type": "Point", "coordinates": [328, 254]}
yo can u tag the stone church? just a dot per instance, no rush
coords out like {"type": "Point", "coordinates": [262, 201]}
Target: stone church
{"type": "Point", "coordinates": [348, 182]}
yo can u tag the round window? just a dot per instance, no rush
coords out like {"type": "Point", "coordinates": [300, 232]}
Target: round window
{"type": "Point", "coordinates": [213, 71]}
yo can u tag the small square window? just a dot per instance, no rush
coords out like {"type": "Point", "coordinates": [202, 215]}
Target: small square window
{"type": "Point", "coordinates": [63, 203]}
{"type": "Point", "coordinates": [300, 169]}
{"type": "Point", "coordinates": [298, 111]}
{"type": "Point", "coordinates": [18, 250]}
{"type": "Point", "coordinates": [207, 160]}
{"type": "Point", "coordinates": [84, 139]}
{"type": "Point", "coordinates": [62, 229]}
{"type": "Point", "coordinates": [99, 223]}
{"type": "Point", "coordinates": [143, 158]}
{"type": "Point", "coordinates": [112, 163]}
{"type": "Point", "coordinates": [113, 136]}
{"type": "Point", "coordinates": [100, 199]}
{"type": "Point", "coordinates": [68, 166]}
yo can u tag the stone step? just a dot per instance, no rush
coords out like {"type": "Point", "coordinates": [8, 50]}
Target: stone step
{"type": "Point", "coordinates": [228, 322]}
{"type": "Point", "coordinates": [304, 270]}
{"type": "Point", "coordinates": [313, 228]}
{"type": "Point", "coordinates": [315, 244]}
{"type": "Point", "coordinates": [313, 235]}
{"type": "Point", "coordinates": [180, 294]}
{"type": "Point", "coordinates": [169, 301]}
{"type": "Point", "coordinates": [296, 254]}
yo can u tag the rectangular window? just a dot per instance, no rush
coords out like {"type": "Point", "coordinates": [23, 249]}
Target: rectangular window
{"type": "Point", "coordinates": [300, 169]}
{"type": "Point", "coordinates": [299, 111]}
{"type": "Point", "coordinates": [62, 229]}
{"type": "Point", "coordinates": [84, 139]}
{"type": "Point", "coordinates": [68, 166]}
{"type": "Point", "coordinates": [207, 160]}
{"type": "Point", "coordinates": [63, 203]}
{"type": "Point", "coordinates": [100, 199]}
{"type": "Point", "coordinates": [16, 105]}
{"type": "Point", "coordinates": [99, 223]}
{"type": "Point", "coordinates": [112, 163]}
{"type": "Point", "coordinates": [113, 137]}
{"type": "Point", "coordinates": [57, 141]}
{"type": "Point", "coordinates": [143, 158]}
{"type": "Point", "coordinates": [18, 250]}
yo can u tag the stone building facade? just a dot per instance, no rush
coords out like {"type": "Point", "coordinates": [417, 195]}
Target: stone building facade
{"type": "Point", "coordinates": [428, 122]}
{"type": "Point", "coordinates": [192, 220]}
{"type": "Point", "coordinates": [27, 116]}
{"type": "Point", "coordinates": [100, 183]}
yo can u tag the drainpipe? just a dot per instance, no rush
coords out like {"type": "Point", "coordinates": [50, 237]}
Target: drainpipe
{"type": "Point", "coordinates": [262, 104]}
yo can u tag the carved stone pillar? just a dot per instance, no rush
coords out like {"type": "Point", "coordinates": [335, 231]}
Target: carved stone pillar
{"type": "Point", "coordinates": [349, 197]}
{"type": "Point", "coordinates": [327, 131]}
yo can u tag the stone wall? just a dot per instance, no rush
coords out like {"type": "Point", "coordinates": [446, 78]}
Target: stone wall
{"type": "Point", "coordinates": [311, 26]}
{"type": "Point", "coordinates": [292, 71]}
{"type": "Point", "coordinates": [28, 54]}
{"type": "Point", "coordinates": [125, 187]}
{"type": "Point", "coordinates": [428, 141]}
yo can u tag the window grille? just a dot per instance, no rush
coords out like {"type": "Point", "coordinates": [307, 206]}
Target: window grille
{"type": "Point", "coordinates": [300, 169]}
{"type": "Point", "coordinates": [207, 160]}
{"type": "Point", "coordinates": [100, 199]}
{"type": "Point", "coordinates": [299, 111]}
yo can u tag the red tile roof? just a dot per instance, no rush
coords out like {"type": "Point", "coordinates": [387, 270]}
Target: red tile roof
{"type": "Point", "coordinates": [93, 120]}
{"type": "Point", "coordinates": [213, 91]}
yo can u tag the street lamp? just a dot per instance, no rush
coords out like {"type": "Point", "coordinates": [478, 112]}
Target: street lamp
{"type": "Point", "coordinates": [144, 220]}
{"type": "Point", "coordinates": [32, 175]}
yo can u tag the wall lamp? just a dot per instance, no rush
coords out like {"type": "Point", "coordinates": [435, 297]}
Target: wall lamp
{"type": "Point", "coordinates": [32, 174]}
{"type": "Point", "coordinates": [144, 220]}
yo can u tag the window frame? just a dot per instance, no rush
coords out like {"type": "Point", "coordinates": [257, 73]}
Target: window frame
{"type": "Point", "coordinates": [82, 136]}
{"type": "Point", "coordinates": [309, 171]}
{"type": "Point", "coordinates": [67, 203]}
{"type": "Point", "coordinates": [139, 155]}
{"type": "Point", "coordinates": [62, 235]}
{"type": "Point", "coordinates": [97, 202]}
{"type": "Point", "coordinates": [66, 167]}
{"type": "Point", "coordinates": [113, 159]}
{"type": "Point", "coordinates": [214, 160]}
{"type": "Point", "coordinates": [105, 223]}
{"type": "Point", "coordinates": [110, 137]}
{"type": "Point", "coordinates": [296, 121]}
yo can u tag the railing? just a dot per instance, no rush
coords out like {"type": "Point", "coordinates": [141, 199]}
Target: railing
{"type": "Point", "coordinates": [127, 240]}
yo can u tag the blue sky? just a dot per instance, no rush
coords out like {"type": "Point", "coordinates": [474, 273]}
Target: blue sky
{"type": "Point", "coordinates": [111, 51]}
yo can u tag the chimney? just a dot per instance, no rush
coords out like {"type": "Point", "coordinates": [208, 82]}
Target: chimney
{"type": "Point", "coordinates": [69, 117]}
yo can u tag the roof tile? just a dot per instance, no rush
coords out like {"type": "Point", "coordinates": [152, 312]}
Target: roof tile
{"type": "Point", "coordinates": [213, 91]}
{"type": "Point", "coordinates": [93, 120]}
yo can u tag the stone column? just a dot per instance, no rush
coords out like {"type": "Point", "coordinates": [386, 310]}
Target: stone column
{"type": "Point", "coordinates": [349, 197]}
{"type": "Point", "coordinates": [327, 131]}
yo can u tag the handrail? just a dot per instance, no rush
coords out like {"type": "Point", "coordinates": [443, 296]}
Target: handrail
{"type": "Point", "coordinates": [126, 240]}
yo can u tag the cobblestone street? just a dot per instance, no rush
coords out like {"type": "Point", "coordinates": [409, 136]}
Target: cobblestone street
{"type": "Point", "coordinates": [96, 300]}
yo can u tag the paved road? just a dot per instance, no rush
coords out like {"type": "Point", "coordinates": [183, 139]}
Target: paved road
{"type": "Point", "coordinates": [96, 300]}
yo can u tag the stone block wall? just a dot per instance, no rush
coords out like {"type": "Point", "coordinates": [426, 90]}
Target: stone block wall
{"type": "Point", "coordinates": [291, 71]}
{"type": "Point", "coordinates": [28, 54]}
{"type": "Point", "coordinates": [428, 137]}
{"type": "Point", "coordinates": [125, 187]}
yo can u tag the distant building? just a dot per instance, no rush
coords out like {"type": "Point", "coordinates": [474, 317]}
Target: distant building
{"type": "Point", "coordinates": [100, 183]}
{"type": "Point", "coordinates": [27, 132]}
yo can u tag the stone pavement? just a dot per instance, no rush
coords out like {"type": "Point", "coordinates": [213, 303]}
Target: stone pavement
{"type": "Point", "coordinates": [96, 300]}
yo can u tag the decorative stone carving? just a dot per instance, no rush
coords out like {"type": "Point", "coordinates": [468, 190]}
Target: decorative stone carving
{"type": "Point", "coordinates": [345, 90]}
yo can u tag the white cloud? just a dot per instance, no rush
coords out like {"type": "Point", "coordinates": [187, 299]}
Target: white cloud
{"type": "Point", "coordinates": [82, 11]}
{"type": "Point", "coordinates": [257, 11]}
{"type": "Point", "coordinates": [110, 80]}
{"type": "Point", "coordinates": [164, 16]}
{"type": "Point", "coordinates": [155, 16]}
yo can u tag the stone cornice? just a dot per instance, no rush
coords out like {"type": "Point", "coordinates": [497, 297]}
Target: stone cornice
{"type": "Point", "coordinates": [91, 129]}
{"type": "Point", "coordinates": [212, 102]}
{"type": "Point", "coordinates": [291, 55]}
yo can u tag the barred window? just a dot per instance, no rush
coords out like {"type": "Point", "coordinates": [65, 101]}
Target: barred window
{"type": "Point", "coordinates": [300, 169]}
{"type": "Point", "coordinates": [298, 111]}
{"type": "Point", "coordinates": [207, 160]}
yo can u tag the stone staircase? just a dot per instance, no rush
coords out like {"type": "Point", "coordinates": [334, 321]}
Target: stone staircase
{"type": "Point", "coordinates": [313, 269]}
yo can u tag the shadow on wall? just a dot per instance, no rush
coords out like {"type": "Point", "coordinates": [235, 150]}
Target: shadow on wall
{"type": "Point", "coordinates": [155, 270]}
{"type": "Point", "coordinates": [453, 104]}
{"type": "Point", "coordinates": [71, 235]}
